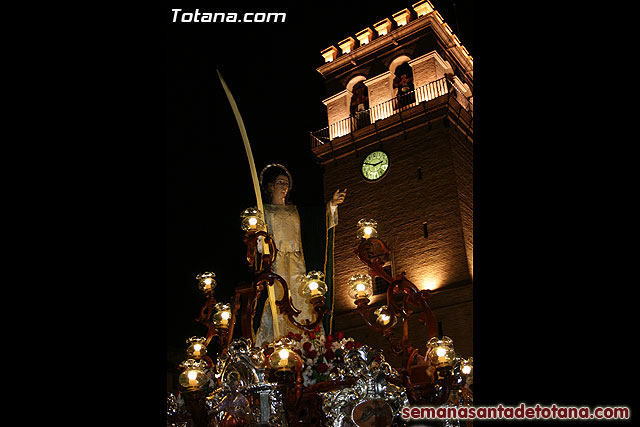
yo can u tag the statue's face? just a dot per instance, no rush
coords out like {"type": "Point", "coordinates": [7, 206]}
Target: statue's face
{"type": "Point", "coordinates": [279, 188]}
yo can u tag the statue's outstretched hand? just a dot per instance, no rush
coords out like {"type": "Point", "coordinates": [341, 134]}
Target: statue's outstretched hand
{"type": "Point", "coordinates": [338, 197]}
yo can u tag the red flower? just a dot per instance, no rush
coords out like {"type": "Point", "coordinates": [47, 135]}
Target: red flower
{"type": "Point", "coordinates": [329, 338]}
{"type": "Point", "coordinates": [298, 337]}
{"type": "Point", "coordinates": [322, 368]}
{"type": "Point", "coordinates": [317, 329]}
{"type": "Point", "coordinates": [329, 354]}
{"type": "Point", "coordinates": [327, 344]}
{"type": "Point", "coordinates": [312, 353]}
{"type": "Point", "coordinates": [349, 345]}
{"type": "Point", "coordinates": [358, 344]}
{"type": "Point", "coordinates": [339, 335]}
{"type": "Point", "coordinates": [290, 335]}
{"type": "Point", "coordinates": [306, 346]}
{"type": "Point", "coordinates": [312, 335]}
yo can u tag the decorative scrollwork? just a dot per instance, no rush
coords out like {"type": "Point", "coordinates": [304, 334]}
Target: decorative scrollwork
{"type": "Point", "coordinates": [375, 254]}
{"type": "Point", "coordinates": [371, 393]}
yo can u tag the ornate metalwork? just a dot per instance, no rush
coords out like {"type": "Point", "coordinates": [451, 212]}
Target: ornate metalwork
{"type": "Point", "coordinates": [362, 389]}
{"type": "Point", "coordinates": [264, 276]}
{"type": "Point", "coordinates": [375, 254]}
{"type": "Point", "coordinates": [244, 393]}
{"type": "Point", "coordinates": [372, 386]}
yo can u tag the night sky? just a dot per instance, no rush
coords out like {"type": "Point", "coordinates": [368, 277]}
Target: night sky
{"type": "Point", "coordinates": [270, 69]}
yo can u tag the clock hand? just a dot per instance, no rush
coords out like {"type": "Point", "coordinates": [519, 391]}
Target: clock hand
{"type": "Point", "coordinates": [373, 164]}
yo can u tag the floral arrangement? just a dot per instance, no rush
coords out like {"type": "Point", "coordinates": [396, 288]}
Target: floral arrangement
{"type": "Point", "coordinates": [321, 354]}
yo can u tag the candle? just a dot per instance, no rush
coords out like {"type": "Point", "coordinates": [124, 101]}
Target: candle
{"type": "Point", "coordinates": [224, 318]}
{"type": "Point", "coordinates": [284, 357]}
{"type": "Point", "coordinates": [196, 349]}
{"type": "Point", "coordinates": [253, 221]}
{"type": "Point", "coordinates": [192, 375]}
{"type": "Point", "coordinates": [313, 287]}
{"type": "Point", "coordinates": [360, 290]}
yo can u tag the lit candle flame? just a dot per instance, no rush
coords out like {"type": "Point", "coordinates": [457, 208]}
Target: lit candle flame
{"type": "Point", "coordinates": [384, 318]}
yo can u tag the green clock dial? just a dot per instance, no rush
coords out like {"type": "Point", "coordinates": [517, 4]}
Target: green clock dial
{"type": "Point", "coordinates": [375, 165]}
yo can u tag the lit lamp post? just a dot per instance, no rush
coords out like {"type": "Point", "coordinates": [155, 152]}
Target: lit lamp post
{"type": "Point", "coordinates": [367, 229]}
{"type": "Point", "coordinates": [256, 232]}
{"type": "Point", "coordinates": [360, 288]}
{"type": "Point", "coordinates": [192, 380]}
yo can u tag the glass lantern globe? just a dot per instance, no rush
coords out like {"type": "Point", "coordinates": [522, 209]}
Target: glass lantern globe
{"type": "Point", "coordinates": [252, 220]}
{"type": "Point", "coordinates": [222, 315]}
{"type": "Point", "coordinates": [367, 229]}
{"type": "Point", "coordinates": [283, 356]}
{"type": "Point", "coordinates": [440, 352]}
{"type": "Point", "coordinates": [206, 282]}
{"type": "Point", "coordinates": [313, 284]}
{"type": "Point", "coordinates": [197, 348]}
{"type": "Point", "coordinates": [359, 286]}
{"type": "Point", "coordinates": [384, 317]}
{"type": "Point", "coordinates": [466, 366]}
{"type": "Point", "coordinates": [193, 376]}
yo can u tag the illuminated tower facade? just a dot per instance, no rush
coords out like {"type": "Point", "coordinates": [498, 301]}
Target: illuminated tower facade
{"type": "Point", "coordinates": [400, 139]}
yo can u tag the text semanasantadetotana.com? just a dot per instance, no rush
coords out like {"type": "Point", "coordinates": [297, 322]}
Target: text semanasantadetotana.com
{"type": "Point", "coordinates": [517, 413]}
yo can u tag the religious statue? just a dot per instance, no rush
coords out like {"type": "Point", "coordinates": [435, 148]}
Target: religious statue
{"type": "Point", "coordinates": [284, 225]}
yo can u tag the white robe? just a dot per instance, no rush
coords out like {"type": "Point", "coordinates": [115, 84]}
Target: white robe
{"type": "Point", "coordinates": [283, 223]}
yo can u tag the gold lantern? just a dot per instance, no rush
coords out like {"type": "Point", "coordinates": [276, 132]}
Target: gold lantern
{"type": "Point", "coordinates": [252, 220]}
{"type": "Point", "coordinates": [206, 282]}
{"type": "Point", "coordinates": [197, 348]}
{"type": "Point", "coordinates": [193, 376]}
{"type": "Point", "coordinates": [359, 286]}
{"type": "Point", "coordinates": [440, 352]}
{"type": "Point", "coordinates": [384, 317]}
{"type": "Point", "coordinates": [367, 229]}
{"type": "Point", "coordinates": [466, 366]}
{"type": "Point", "coordinates": [283, 358]}
{"type": "Point", "coordinates": [313, 285]}
{"type": "Point", "coordinates": [222, 315]}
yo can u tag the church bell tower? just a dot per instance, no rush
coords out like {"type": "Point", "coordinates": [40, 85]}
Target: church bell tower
{"type": "Point", "coordinates": [400, 139]}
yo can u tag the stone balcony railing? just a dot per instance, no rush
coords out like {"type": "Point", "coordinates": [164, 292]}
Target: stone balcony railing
{"type": "Point", "coordinates": [361, 119]}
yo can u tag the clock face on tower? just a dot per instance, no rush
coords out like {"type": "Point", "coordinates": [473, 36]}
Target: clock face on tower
{"type": "Point", "coordinates": [375, 165]}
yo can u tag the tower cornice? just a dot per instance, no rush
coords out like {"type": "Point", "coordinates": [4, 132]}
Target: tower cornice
{"type": "Point", "coordinates": [431, 20]}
